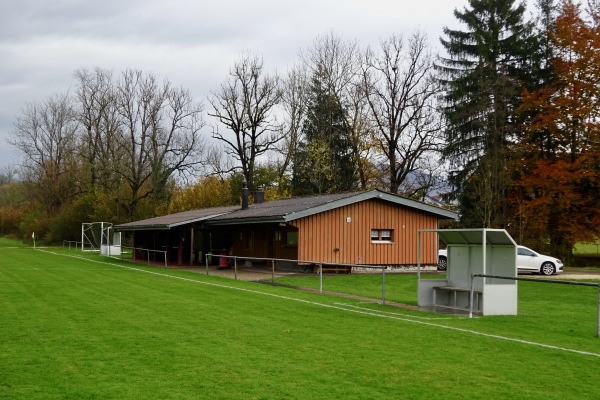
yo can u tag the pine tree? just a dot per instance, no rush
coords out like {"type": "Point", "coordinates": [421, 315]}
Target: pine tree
{"type": "Point", "coordinates": [483, 76]}
{"type": "Point", "coordinates": [324, 157]}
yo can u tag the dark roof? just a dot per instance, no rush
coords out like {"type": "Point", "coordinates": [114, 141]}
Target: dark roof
{"type": "Point", "coordinates": [283, 210]}
{"type": "Point", "coordinates": [278, 210]}
{"type": "Point", "coordinates": [172, 220]}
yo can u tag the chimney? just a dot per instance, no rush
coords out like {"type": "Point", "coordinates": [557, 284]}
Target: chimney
{"type": "Point", "coordinates": [259, 196]}
{"type": "Point", "coordinates": [244, 195]}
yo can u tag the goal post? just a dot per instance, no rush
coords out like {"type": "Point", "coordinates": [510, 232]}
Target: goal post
{"type": "Point", "coordinates": [94, 235]}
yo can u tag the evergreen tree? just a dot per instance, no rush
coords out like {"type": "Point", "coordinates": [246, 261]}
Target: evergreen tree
{"type": "Point", "coordinates": [483, 77]}
{"type": "Point", "coordinates": [323, 163]}
{"type": "Point", "coordinates": [543, 50]}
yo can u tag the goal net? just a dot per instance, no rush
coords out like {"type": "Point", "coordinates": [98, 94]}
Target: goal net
{"type": "Point", "coordinates": [94, 235]}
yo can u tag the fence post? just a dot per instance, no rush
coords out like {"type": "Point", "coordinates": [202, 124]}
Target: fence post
{"type": "Point", "coordinates": [383, 285]}
{"type": "Point", "coordinates": [148, 256]}
{"type": "Point", "coordinates": [471, 296]}
{"type": "Point", "coordinates": [272, 271]}
{"type": "Point", "coordinates": [321, 278]}
{"type": "Point", "coordinates": [206, 260]}
{"type": "Point", "coordinates": [235, 267]}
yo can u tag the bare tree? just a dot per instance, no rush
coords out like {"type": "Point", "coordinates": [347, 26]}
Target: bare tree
{"type": "Point", "coordinates": [8, 174]}
{"type": "Point", "coordinates": [46, 135]}
{"type": "Point", "coordinates": [218, 163]}
{"type": "Point", "coordinates": [361, 136]}
{"type": "Point", "coordinates": [336, 61]}
{"type": "Point", "coordinates": [401, 93]}
{"type": "Point", "coordinates": [160, 135]}
{"type": "Point", "coordinates": [100, 127]}
{"type": "Point", "coordinates": [244, 105]}
{"type": "Point", "coordinates": [337, 64]}
{"type": "Point", "coordinates": [293, 105]}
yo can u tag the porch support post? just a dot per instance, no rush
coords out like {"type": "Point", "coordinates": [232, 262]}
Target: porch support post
{"type": "Point", "coordinates": [191, 246]}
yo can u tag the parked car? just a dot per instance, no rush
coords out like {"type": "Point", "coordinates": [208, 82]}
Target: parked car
{"type": "Point", "coordinates": [442, 260]}
{"type": "Point", "coordinates": [527, 261]}
{"type": "Point", "coordinates": [531, 261]}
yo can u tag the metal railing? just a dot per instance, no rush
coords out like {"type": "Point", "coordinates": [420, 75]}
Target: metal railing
{"type": "Point", "coordinates": [71, 243]}
{"type": "Point", "coordinates": [575, 283]}
{"type": "Point", "coordinates": [137, 254]}
{"type": "Point", "coordinates": [151, 257]}
{"type": "Point", "coordinates": [127, 253]}
{"type": "Point", "coordinates": [321, 265]}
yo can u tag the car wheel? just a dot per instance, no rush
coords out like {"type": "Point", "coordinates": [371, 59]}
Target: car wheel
{"type": "Point", "coordinates": [547, 269]}
{"type": "Point", "coordinates": [442, 264]}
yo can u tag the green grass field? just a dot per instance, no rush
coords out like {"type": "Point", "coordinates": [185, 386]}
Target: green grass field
{"type": "Point", "coordinates": [80, 326]}
{"type": "Point", "coordinates": [587, 248]}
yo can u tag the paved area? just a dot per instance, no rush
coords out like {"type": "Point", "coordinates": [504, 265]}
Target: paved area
{"type": "Point", "coordinates": [568, 275]}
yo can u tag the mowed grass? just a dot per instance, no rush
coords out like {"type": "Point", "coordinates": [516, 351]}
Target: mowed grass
{"type": "Point", "coordinates": [583, 248]}
{"type": "Point", "coordinates": [8, 243]}
{"type": "Point", "coordinates": [399, 287]}
{"type": "Point", "coordinates": [85, 327]}
{"type": "Point", "coordinates": [552, 313]}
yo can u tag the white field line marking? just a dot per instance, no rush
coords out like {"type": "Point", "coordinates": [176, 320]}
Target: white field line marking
{"type": "Point", "coordinates": [396, 313]}
{"type": "Point", "coordinates": [431, 324]}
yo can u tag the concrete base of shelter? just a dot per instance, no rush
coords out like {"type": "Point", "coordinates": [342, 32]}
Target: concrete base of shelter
{"type": "Point", "coordinates": [448, 311]}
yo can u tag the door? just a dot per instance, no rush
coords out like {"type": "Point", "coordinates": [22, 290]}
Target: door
{"type": "Point", "coordinates": [527, 260]}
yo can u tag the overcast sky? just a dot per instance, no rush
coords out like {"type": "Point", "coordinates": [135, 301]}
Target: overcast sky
{"type": "Point", "coordinates": [192, 43]}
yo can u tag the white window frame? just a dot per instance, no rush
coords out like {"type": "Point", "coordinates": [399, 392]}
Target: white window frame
{"type": "Point", "coordinates": [382, 235]}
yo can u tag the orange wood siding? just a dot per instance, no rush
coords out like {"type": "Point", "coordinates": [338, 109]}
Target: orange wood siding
{"type": "Point", "coordinates": [329, 237]}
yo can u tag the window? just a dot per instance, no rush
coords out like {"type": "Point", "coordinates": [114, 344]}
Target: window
{"type": "Point", "coordinates": [374, 234]}
{"type": "Point", "coordinates": [292, 238]}
{"type": "Point", "coordinates": [524, 252]}
{"type": "Point", "coordinates": [382, 235]}
{"type": "Point", "coordinates": [386, 234]}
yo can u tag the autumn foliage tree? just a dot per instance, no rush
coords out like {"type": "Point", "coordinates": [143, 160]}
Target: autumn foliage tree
{"type": "Point", "coordinates": [208, 192]}
{"type": "Point", "coordinates": [557, 194]}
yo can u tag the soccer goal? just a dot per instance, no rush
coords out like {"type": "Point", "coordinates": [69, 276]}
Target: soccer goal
{"type": "Point", "coordinates": [94, 235]}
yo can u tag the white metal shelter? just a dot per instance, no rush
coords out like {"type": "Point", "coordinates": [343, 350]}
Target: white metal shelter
{"type": "Point", "coordinates": [473, 251]}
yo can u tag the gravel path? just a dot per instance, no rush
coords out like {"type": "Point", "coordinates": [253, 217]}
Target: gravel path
{"type": "Point", "coordinates": [575, 275]}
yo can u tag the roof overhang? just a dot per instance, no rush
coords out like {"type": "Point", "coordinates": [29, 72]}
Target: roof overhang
{"type": "Point", "coordinates": [148, 225]}
{"type": "Point", "coordinates": [374, 194]}
{"type": "Point", "coordinates": [479, 236]}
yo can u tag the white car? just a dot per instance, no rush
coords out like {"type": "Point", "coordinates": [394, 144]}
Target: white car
{"type": "Point", "coordinates": [531, 261]}
{"type": "Point", "coordinates": [442, 259]}
{"type": "Point", "coordinates": [527, 261]}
